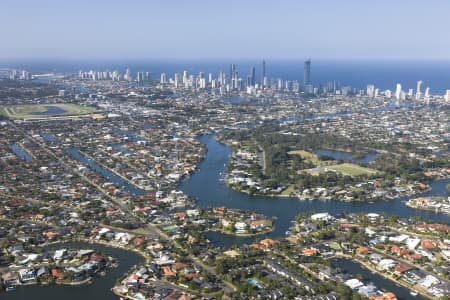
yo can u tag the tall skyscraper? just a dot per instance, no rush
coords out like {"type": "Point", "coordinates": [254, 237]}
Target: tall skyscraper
{"type": "Point", "coordinates": [232, 71]}
{"type": "Point", "coordinates": [177, 80]}
{"type": "Point", "coordinates": [307, 72]}
{"type": "Point", "coordinates": [418, 90]}
{"type": "Point", "coordinates": [128, 76]}
{"type": "Point", "coordinates": [398, 91]}
{"type": "Point", "coordinates": [233, 76]}
{"type": "Point", "coordinates": [370, 91]}
{"type": "Point", "coordinates": [447, 96]}
{"type": "Point", "coordinates": [263, 74]}
{"type": "Point", "coordinates": [427, 93]}
{"type": "Point", "coordinates": [140, 77]}
{"type": "Point", "coordinates": [252, 76]}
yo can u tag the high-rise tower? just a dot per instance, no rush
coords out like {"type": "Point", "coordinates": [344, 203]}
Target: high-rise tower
{"type": "Point", "coordinates": [263, 74]}
{"type": "Point", "coordinates": [419, 90]}
{"type": "Point", "coordinates": [306, 72]}
{"type": "Point", "coordinates": [252, 76]}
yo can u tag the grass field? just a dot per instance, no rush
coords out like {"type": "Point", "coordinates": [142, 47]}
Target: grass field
{"type": "Point", "coordinates": [314, 158]}
{"type": "Point", "coordinates": [288, 190]}
{"type": "Point", "coordinates": [352, 169]}
{"type": "Point", "coordinates": [39, 111]}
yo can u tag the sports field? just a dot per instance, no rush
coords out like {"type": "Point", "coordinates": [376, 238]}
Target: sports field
{"type": "Point", "coordinates": [352, 169]}
{"type": "Point", "coordinates": [39, 111]}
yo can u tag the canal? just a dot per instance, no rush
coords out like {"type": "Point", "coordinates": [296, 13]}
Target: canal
{"type": "Point", "coordinates": [99, 289]}
{"type": "Point", "coordinates": [21, 153]}
{"type": "Point", "coordinates": [355, 268]}
{"type": "Point", "coordinates": [113, 177]}
{"type": "Point", "coordinates": [208, 187]}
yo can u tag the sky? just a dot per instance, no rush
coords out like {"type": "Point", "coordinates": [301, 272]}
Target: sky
{"type": "Point", "coordinates": [210, 29]}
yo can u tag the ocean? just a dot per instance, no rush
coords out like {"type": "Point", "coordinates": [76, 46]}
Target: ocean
{"type": "Point", "coordinates": [357, 74]}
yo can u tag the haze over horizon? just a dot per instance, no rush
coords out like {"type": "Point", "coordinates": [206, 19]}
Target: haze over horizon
{"type": "Point", "coordinates": [205, 30]}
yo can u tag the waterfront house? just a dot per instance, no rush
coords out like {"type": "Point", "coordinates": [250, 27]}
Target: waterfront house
{"type": "Point", "coordinates": [57, 273]}
{"type": "Point", "coordinates": [402, 268]}
{"type": "Point", "coordinates": [354, 283]}
{"type": "Point", "coordinates": [429, 281]}
{"type": "Point", "coordinates": [27, 274]}
{"type": "Point", "coordinates": [386, 264]}
{"type": "Point", "coordinates": [42, 271]}
{"type": "Point", "coordinates": [11, 278]}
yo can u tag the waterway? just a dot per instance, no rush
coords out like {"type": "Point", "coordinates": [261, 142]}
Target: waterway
{"type": "Point", "coordinates": [114, 178]}
{"type": "Point", "coordinates": [393, 105]}
{"type": "Point", "coordinates": [355, 268]}
{"type": "Point", "coordinates": [236, 100]}
{"type": "Point", "coordinates": [348, 156]}
{"type": "Point", "coordinates": [99, 289]}
{"type": "Point", "coordinates": [208, 187]}
{"type": "Point", "coordinates": [49, 138]}
{"type": "Point", "coordinates": [50, 111]}
{"type": "Point", "coordinates": [21, 153]}
{"type": "Point", "coordinates": [130, 134]}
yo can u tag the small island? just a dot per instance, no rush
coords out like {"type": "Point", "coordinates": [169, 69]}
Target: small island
{"type": "Point", "coordinates": [434, 204]}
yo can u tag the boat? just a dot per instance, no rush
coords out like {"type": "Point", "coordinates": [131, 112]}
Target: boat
{"type": "Point", "coordinates": [414, 293]}
{"type": "Point", "coordinates": [10, 288]}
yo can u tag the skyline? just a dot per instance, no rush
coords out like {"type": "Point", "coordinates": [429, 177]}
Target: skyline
{"type": "Point", "coordinates": [355, 30]}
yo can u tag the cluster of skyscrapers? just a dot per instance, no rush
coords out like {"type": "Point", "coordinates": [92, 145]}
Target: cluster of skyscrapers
{"type": "Point", "coordinates": [232, 81]}
{"type": "Point", "coordinates": [418, 95]}
{"type": "Point", "coordinates": [221, 84]}
{"type": "Point", "coordinates": [252, 84]}
{"type": "Point", "coordinates": [115, 75]}
{"type": "Point", "coordinates": [20, 75]}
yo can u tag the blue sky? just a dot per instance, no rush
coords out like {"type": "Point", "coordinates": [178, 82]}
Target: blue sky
{"type": "Point", "coordinates": [201, 29]}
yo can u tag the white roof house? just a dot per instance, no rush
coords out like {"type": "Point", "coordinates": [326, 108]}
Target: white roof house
{"type": "Point", "coordinates": [429, 281]}
{"type": "Point", "coordinates": [412, 243]}
{"type": "Point", "coordinates": [321, 217]}
{"type": "Point", "coordinates": [354, 283]}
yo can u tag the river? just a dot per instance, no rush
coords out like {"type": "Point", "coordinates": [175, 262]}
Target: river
{"type": "Point", "coordinates": [207, 186]}
{"type": "Point", "coordinates": [99, 289]}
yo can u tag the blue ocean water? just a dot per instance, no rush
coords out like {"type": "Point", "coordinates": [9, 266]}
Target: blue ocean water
{"type": "Point", "coordinates": [358, 74]}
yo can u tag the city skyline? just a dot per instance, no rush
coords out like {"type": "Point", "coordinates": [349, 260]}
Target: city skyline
{"type": "Point", "coordinates": [203, 30]}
